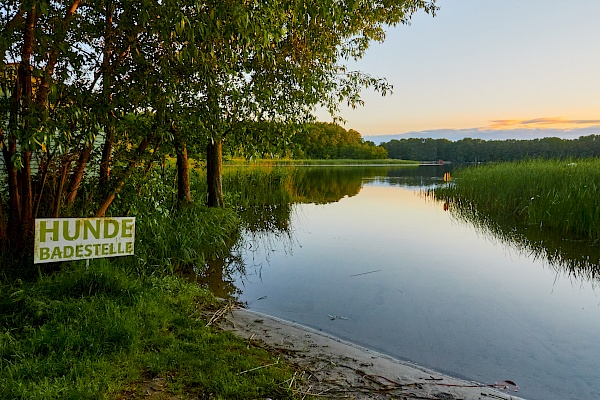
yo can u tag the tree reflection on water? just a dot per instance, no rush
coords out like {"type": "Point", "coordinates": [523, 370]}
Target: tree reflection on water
{"type": "Point", "coordinates": [578, 258]}
{"type": "Point", "coordinates": [266, 224]}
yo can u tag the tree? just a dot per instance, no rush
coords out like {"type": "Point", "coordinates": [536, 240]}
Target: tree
{"type": "Point", "coordinates": [42, 112]}
{"type": "Point", "coordinates": [471, 150]}
{"type": "Point", "coordinates": [329, 140]}
{"type": "Point", "coordinates": [93, 90]}
{"type": "Point", "coordinates": [297, 64]}
{"type": "Point", "coordinates": [64, 65]}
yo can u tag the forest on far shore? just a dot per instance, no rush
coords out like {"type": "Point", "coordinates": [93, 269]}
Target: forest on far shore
{"type": "Point", "coordinates": [321, 140]}
{"type": "Point", "coordinates": [478, 150]}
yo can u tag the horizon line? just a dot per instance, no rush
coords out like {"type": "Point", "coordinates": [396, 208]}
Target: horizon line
{"type": "Point", "coordinates": [490, 130]}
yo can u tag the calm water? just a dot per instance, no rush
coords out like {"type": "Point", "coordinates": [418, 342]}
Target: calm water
{"type": "Point", "coordinates": [387, 269]}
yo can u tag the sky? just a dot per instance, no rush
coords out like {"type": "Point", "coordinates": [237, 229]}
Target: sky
{"type": "Point", "coordinates": [489, 65]}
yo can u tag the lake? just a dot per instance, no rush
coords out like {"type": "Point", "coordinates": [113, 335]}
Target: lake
{"type": "Point", "coordinates": [372, 260]}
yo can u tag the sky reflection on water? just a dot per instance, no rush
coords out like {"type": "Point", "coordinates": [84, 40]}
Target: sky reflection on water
{"type": "Point", "coordinates": [443, 295]}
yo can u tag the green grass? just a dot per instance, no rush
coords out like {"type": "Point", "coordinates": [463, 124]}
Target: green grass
{"type": "Point", "coordinates": [106, 331]}
{"type": "Point", "coordinates": [100, 332]}
{"type": "Point", "coordinates": [257, 185]}
{"type": "Point", "coordinates": [560, 196]}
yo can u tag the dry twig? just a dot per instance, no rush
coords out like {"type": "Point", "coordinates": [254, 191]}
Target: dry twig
{"type": "Point", "coordinates": [221, 312]}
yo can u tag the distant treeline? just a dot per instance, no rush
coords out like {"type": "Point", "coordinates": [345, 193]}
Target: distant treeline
{"type": "Point", "coordinates": [319, 140]}
{"type": "Point", "coordinates": [477, 150]}
{"type": "Point", "coordinates": [331, 141]}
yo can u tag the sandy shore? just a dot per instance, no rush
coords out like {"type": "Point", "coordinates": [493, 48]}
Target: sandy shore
{"type": "Point", "coordinates": [332, 368]}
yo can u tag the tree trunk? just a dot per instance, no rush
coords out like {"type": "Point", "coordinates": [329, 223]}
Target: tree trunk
{"type": "Point", "coordinates": [20, 202]}
{"type": "Point", "coordinates": [77, 175]}
{"type": "Point", "coordinates": [101, 212]}
{"type": "Point", "coordinates": [14, 197]}
{"type": "Point", "coordinates": [10, 27]}
{"type": "Point", "coordinates": [43, 170]}
{"type": "Point", "coordinates": [26, 198]}
{"type": "Point", "coordinates": [184, 192]}
{"type": "Point", "coordinates": [214, 172]}
{"type": "Point", "coordinates": [106, 94]}
{"type": "Point", "coordinates": [106, 156]}
{"type": "Point", "coordinates": [24, 174]}
{"type": "Point", "coordinates": [64, 170]}
{"type": "Point", "coordinates": [3, 236]}
{"type": "Point", "coordinates": [124, 176]}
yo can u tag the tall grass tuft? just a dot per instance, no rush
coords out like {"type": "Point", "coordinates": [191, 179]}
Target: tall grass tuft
{"type": "Point", "coordinates": [188, 238]}
{"type": "Point", "coordinates": [258, 185]}
{"type": "Point", "coordinates": [561, 196]}
{"type": "Point", "coordinates": [170, 237]}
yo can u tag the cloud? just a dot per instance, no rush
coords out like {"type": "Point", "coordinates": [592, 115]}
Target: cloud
{"type": "Point", "coordinates": [541, 122]}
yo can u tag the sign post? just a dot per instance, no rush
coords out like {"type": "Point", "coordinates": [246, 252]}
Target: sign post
{"type": "Point", "coordinates": [68, 239]}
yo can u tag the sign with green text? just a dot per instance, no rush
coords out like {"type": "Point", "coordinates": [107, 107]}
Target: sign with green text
{"type": "Point", "coordinates": [67, 239]}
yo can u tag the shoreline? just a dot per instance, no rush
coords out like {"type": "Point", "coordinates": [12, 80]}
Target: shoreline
{"type": "Point", "coordinates": [334, 368]}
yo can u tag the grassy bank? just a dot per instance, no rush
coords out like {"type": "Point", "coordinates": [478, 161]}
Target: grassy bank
{"type": "Point", "coordinates": [126, 326]}
{"type": "Point", "coordinates": [560, 196]}
{"type": "Point", "coordinates": [100, 332]}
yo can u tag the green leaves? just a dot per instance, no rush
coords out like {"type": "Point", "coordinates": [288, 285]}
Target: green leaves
{"type": "Point", "coordinates": [196, 69]}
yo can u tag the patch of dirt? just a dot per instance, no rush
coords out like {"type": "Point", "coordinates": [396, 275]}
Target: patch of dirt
{"type": "Point", "coordinates": [330, 368]}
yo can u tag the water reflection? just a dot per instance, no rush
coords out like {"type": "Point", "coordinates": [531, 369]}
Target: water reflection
{"type": "Point", "coordinates": [266, 224]}
{"type": "Point", "coordinates": [441, 296]}
{"type": "Point", "coordinates": [274, 218]}
{"type": "Point", "coordinates": [322, 185]}
{"type": "Point", "coordinates": [218, 276]}
{"type": "Point", "coordinates": [578, 258]}
{"type": "Point", "coordinates": [423, 177]}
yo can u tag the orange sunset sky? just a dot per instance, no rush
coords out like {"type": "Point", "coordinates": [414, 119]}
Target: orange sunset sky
{"type": "Point", "coordinates": [486, 64]}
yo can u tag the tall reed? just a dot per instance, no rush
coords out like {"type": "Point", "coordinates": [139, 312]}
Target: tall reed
{"type": "Point", "coordinates": [257, 185]}
{"type": "Point", "coordinates": [561, 196]}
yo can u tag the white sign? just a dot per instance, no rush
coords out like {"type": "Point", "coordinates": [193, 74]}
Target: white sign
{"type": "Point", "coordinates": [67, 239]}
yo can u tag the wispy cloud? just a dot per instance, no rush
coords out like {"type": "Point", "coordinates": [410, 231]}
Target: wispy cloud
{"type": "Point", "coordinates": [555, 122]}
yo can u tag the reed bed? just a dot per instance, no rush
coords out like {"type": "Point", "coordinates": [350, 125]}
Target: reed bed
{"type": "Point", "coordinates": [257, 185]}
{"type": "Point", "coordinates": [561, 196]}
